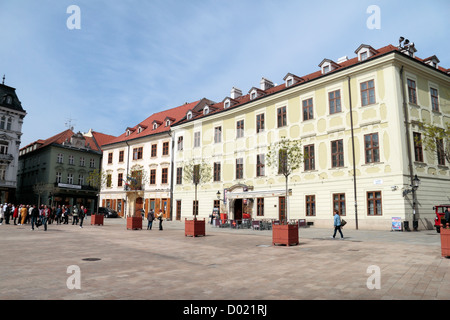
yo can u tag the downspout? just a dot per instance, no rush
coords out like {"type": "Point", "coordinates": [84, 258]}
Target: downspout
{"type": "Point", "coordinates": [408, 141]}
{"type": "Point", "coordinates": [171, 175]}
{"type": "Point", "coordinates": [128, 168]}
{"type": "Point", "coordinates": [353, 152]}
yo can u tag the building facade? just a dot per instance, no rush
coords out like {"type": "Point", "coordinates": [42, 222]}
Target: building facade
{"type": "Point", "coordinates": [57, 171]}
{"type": "Point", "coordinates": [358, 121]}
{"type": "Point", "coordinates": [11, 120]}
{"type": "Point", "coordinates": [137, 165]}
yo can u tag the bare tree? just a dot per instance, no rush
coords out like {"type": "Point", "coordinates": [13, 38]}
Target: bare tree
{"type": "Point", "coordinates": [285, 156]}
{"type": "Point", "coordinates": [196, 172]}
{"type": "Point", "coordinates": [40, 188]}
{"type": "Point", "coordinates": [436, 139]}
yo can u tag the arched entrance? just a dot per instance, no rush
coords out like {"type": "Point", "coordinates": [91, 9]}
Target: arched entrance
{"type": "Point", "coordinates": [237, 209]}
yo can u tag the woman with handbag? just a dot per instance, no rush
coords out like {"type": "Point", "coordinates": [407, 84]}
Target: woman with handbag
{"type": "Point", "coordinates": [337, 224]}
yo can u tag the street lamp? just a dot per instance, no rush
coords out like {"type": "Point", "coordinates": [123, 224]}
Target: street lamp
{"type": "Point", "coordinates": [414, 186]}
{"type": "Point", "coordinates": [218, 195]}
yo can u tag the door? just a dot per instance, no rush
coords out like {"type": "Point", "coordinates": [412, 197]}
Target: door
{"type": "Point", "coordinates": [238, 209]}
{"type": "Point", "coordinates": [178, 209]}
{"type": "Point", "coordinates": [282, 208]}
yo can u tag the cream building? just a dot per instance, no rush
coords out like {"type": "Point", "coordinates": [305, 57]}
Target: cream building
{"type": "Point", "coordinates": [137, 167]}
{"type": "Point", "coordinates": [350, 116]}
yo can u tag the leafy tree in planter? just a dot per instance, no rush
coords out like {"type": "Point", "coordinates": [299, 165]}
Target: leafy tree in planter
{"type": "Point", "coordinates": [285, 156]}
{"type": "Point", "coordinates": [197, 173]}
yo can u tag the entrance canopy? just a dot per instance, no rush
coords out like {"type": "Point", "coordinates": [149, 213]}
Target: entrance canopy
{"type": "Point", "coordinates": [257, 194]}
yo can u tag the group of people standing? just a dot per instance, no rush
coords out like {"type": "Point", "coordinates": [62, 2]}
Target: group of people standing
{"type": "Point", "coordinates": [151, 217]}
{"type": "Point", "coordinates": [42, 215]}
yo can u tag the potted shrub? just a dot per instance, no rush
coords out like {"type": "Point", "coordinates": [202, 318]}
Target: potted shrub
{"type": "Point", "coordinates": [445, 240]}
{"type": "Point", "coordinates": [134, 223]}
{"type": "Point", "coordinates": [194, 228]}
{"type": "Point", "coordinates": [285, 234]}
{"type": "Point", "coordinates": [97, 219]}
{"type": "Point", "coordinates": [196, 173]}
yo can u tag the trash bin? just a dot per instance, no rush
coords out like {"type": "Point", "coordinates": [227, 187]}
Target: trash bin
{"type": "Point", "coordinates": [406, 225]}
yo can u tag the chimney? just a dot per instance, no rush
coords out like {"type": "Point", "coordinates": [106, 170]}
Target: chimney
{"type": "Point", "coordinates": [235, 93]}
{"type": "Point", "coordinates": [266, 84]}
{"type": "Point", "coordinates": [342, 59]}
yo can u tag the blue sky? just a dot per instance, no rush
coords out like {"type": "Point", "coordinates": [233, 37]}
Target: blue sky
{"type": "Point", "coordinates": [132, 58]}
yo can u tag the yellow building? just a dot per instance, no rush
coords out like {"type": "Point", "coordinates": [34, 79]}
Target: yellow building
{"type": "Point", "coordinates": [350, 116]}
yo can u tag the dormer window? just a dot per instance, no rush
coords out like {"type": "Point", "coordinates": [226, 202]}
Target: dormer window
{"type": "Point", "coordinates": [255, 93]}
{"type": "Point", "coordinates": [156, 124]}
{"type": "Point", "coordinates": [189, 115]}
{"type": "Point", "coordinates": [291, 79]}
{"type": "Point", "coordinates": [432, 61]}
{"type": "Point", "coordinates": [168, 121]}
{"type": "Point", "coordinates": [129, 131]}
{"type": "Point", "coordinates": [8, 99]}
{"type": "Point", "coordinates": [328, 65]}
{"type": "Point", "coordinates": [205, 110]}
{"type": "Point", "coordinates": [363, 56]}
{"type": "Point", "coordinates": [365, 51]}
{"type": "Point", "coordinates": [228, 102]}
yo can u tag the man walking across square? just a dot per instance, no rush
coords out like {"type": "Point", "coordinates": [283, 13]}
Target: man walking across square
{"type": "Point", "coordinates": [337, 224]}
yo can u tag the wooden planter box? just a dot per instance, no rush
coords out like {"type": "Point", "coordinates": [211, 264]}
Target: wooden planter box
{"type": "Point", "coordinates": [285, 234]}
{"type": "Point", "coordinates": [134, 223]}
{"type": "Point", "coordinates": [97, 219]}
{"type": "Point", "coordinates": [194, 228]}
{"type": "Point", "coordinates": [445, 242]}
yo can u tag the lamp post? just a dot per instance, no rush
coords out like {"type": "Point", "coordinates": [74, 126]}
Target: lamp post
{"type": "Point", "coordinates": [415, 182]}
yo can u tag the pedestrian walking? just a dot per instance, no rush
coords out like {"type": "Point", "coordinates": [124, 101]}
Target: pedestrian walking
{"type": "Point", "coordinates": [7, 212]}
{"type": "Point", "coordinates": [81, 215]}
{"type": "Point", "coordinates": [75, 215]}
{"type": "Point", "coordinates": [23, 214]}
{"type": "Point", "coordinates": [45, 214]}
{"type": "Point", "coordinates": [34, 216]}
{"type": "Point", "coordinates": [337, 224]}
{"type": "Point", "coordinates": [150, 218]}
{"type": "Point", "coordinates": [447, 216]}
{"type": "Point", "coordinates": [160, 218]}
{"type": "Point", "coordinates": [15, 212]}
{"type": "Point", "coordinates": [2, 215]}
{"type": "Point", "coordinates": [30, 210]}
{"type": "Point", "coordinates": [58, 214]}
{"type": "Point", "coordinates": [66, 215]}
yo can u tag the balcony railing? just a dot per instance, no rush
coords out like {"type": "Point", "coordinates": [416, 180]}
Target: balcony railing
{"type": "Point", "coordinates": [6, 157]}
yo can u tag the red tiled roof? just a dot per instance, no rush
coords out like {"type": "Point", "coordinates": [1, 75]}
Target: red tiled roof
{"type": "Point", "coordinates": [102, 138]}
{"type": "Point", "coordinates": [175, 114]}
{"type": "Point", "coordinates": [98, 140]}
{"type": "Point", "coordinates": [218, 107]}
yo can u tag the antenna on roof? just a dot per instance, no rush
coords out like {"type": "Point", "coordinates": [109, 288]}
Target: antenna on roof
{"type": "Point", "coordinates": [3, 79]}
{"type": "Point", "coordinates": [69, 124]}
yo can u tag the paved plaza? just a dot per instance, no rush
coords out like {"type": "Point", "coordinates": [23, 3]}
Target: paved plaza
{"type": "Point", "coordinates": [227, 264]}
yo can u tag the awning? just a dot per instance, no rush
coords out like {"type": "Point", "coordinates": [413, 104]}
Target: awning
{"type": "Point", "coordinates": [257, 194]}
